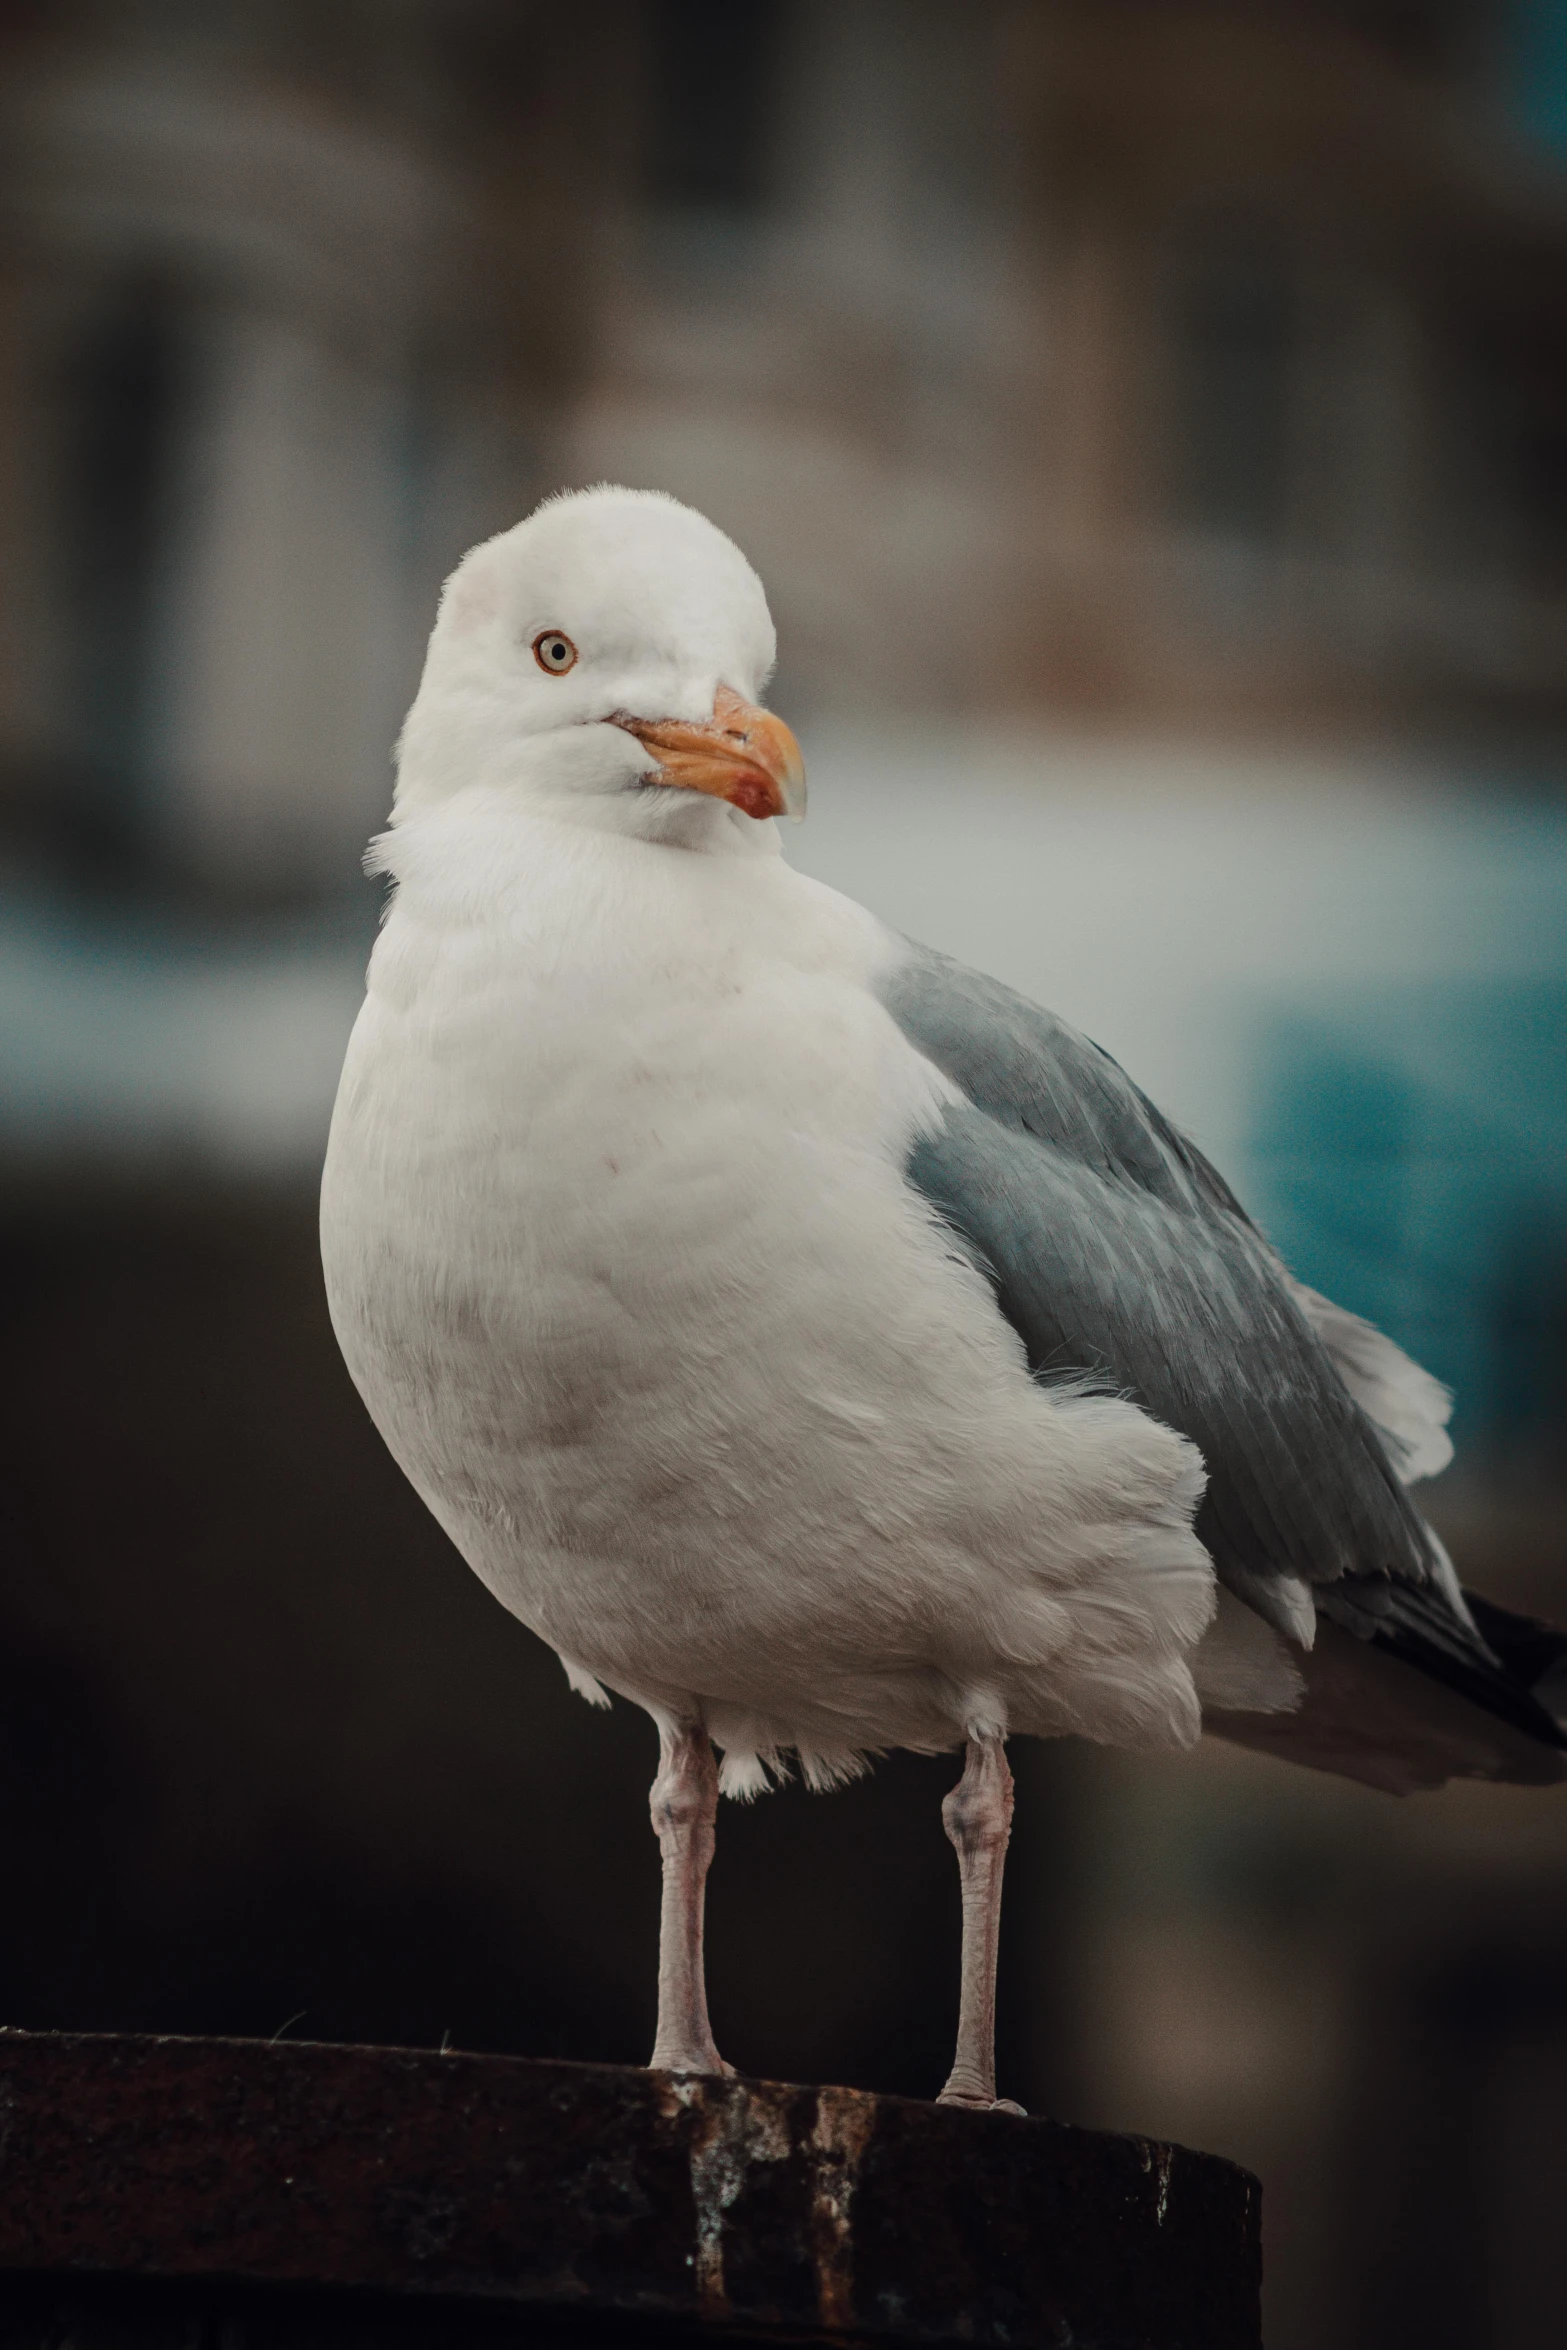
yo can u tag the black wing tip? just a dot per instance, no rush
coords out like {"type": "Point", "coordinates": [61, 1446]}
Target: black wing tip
{"type": "Point", "coordinates": [1532, 1653]}
{"type": "Point", "coordinates": [1511, 1683]}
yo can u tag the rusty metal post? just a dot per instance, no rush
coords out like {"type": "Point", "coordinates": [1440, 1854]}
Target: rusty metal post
{"type": "Point", "coordinates": [175, 2193]}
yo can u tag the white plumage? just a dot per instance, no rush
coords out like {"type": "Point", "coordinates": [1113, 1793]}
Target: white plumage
{"type": "Point", "coordinates": [623, 1255]}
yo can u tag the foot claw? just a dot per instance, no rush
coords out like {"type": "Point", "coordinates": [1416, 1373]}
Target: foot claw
{"type": "Point", "coordinates": [981, 2104]}
{"type": "Point", "coordinates": [708, 2068]}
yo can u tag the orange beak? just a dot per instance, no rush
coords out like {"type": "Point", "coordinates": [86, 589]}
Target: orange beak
{"type": "Point", "coordinates": [741, 754]}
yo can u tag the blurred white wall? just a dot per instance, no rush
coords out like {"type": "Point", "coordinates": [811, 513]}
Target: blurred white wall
{"type": "Point", "coordinates": [1176, 904]}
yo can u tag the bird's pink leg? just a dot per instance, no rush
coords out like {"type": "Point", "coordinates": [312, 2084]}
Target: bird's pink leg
{"type": "Point", "coordinates": [684, 1805]}
{"type": "Point", "coordinates": [977, 1815]}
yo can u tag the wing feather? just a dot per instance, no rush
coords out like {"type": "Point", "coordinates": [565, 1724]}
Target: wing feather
{"type": "Point", "coordinates": [1117, 1251]}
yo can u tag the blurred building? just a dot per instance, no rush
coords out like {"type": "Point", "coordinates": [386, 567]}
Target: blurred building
{"type": "Point", "coordinates": [1155, 360]}
{"type": "Point", "coordinates": [1150, 419]}
{"type": "Point", "coordinates": [1181, 360]}
{"type": "Point", "coordinates": [290, 297]}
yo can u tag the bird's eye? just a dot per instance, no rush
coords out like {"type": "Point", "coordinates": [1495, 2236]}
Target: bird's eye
{"type": "Point", "coordinates": [554, 653]}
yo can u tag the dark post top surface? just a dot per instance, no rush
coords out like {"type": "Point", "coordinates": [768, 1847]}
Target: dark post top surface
{"type": "Point", "coordinates": [720, 2206]}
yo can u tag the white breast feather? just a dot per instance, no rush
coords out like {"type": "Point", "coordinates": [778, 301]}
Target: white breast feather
{"type": "Point", "coordinates": [620, 1254]}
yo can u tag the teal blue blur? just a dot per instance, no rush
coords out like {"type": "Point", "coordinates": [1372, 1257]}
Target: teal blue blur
{"type": "Point", "coordinates": [1410, 1159]}
{"type": "Point", "coordinates": [1539, 70]}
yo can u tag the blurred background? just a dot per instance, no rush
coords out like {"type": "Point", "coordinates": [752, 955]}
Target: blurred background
{"type": "Point", "coordinates": [1151, 424]}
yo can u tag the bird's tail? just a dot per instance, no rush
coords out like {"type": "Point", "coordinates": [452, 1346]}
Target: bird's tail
{"type": "Point", "coordinates": [1402, 1702]}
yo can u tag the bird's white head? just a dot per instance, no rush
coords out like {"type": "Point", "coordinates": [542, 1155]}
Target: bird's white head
{"type": "Point", "coordinates": [604, 658]}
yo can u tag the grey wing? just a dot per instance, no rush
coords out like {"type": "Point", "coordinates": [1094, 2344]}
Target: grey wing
{"type": "Point", "coordinates": [1117, 1251]}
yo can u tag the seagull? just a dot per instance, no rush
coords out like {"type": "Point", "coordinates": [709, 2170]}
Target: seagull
{"type": "Point", "coordinates": [811, 1340]}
